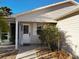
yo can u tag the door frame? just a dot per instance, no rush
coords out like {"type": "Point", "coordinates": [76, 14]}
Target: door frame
{"type": "Point", "coordinates": [29, 30]}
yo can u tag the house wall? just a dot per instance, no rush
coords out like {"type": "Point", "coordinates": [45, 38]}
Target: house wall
{"type": "Point", "coordinates": [70, 28]}
{"type": "Point", "coordinates": [32, 34]}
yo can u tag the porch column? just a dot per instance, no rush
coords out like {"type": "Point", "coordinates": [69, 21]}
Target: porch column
{"type": "Point", "coordinates": [34, 29]}
{"type": "Point", "coordinates": [16, 36]}
{"type": "Point", "coordinates": [8, 33]}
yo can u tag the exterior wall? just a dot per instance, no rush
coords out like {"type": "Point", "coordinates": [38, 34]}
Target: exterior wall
{"type": "Point", "coordinates": [34, 37]}
{"type": "Point", "coordinates": [33, 33]}
{"type": "Point", "coordinates": [70, 28]}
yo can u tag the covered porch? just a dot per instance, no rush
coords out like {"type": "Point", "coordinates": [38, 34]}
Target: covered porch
{"type": "Point", "coordinates": [27, 33]}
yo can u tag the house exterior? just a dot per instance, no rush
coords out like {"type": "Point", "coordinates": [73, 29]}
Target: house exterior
{"type": "Point", "coordinates": [65, 14]}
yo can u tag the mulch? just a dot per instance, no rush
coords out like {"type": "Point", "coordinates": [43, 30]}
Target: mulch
{"type": "Point", "coordinates": [47, 54]}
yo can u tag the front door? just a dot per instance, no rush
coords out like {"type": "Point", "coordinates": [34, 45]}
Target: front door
{"type": "Point", "coordinates": [26, 34]}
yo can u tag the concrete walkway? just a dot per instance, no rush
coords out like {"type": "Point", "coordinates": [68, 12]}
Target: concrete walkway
{"type": "Point", "coordinates": [27, 52]}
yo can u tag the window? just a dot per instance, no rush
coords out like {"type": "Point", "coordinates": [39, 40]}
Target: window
{"type": "Point", "coordinates": [39, 29]}
{"type": "Point", "coordinates": [4, 36]}
{"type": "Point", "coordinates": [26, 29]}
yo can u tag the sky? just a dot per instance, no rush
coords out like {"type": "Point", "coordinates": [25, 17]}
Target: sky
{"type": "Point", "coordinates": [19, 6]}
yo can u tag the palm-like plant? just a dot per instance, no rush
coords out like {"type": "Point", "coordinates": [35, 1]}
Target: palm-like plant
{"type": "Point", "coordinates": [50, 36]}
{"type": "Point", "coordinates": [4, 12]}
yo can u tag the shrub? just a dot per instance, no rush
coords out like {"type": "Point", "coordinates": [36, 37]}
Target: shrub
{"type": "Point", "coordinates": [50, 36]}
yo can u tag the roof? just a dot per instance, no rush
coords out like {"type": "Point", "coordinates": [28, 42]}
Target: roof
{"type": "Point", "coordinates": [73, 12]}
{"type": "Point", "coordinates": [38, 9]}
{"type": "Point", "coordinates": [57, 14]}
{"type": "Point", "coordinates": [61, 12]}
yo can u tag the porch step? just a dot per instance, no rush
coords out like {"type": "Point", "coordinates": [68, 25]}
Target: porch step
{"type": "Point", "coordinates": [27, 55]}
{"type": "Point", "coordinates": [31, 57]}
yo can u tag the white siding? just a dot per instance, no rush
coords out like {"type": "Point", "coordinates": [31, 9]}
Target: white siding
{"type": "Point", "coordinates": [33, 34]}
{"type": "Point", "coordinates": [71, 28]}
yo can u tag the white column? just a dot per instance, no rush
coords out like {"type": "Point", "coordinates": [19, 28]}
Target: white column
{"type": "Point", "coordinates": [16, 36]}
{"type": "Point", "coordinates": [8, 33]}
{"type": "Point", "coordinates": [20, 34]}
{"type": "Point", "coordinates": [34, 28]}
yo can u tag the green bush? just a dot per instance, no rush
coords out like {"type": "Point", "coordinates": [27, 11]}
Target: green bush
{"type": "Point", "coordinates": [50, 36]}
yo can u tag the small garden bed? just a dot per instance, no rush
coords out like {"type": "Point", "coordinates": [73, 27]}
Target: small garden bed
{"type": "Point", "coordinates": [52, 38]}
{"type": "Point", "coordinates": [47, 54]}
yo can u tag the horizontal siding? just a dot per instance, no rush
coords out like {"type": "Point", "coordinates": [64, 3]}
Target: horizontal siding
{"type": "Point", "coordinates": [71, 28]}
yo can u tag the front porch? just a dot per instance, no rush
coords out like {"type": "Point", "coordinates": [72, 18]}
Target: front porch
{"type": "Point", "coordinates": [27, 33]}
{"type": "Point", "coordinates": [28, 26]}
